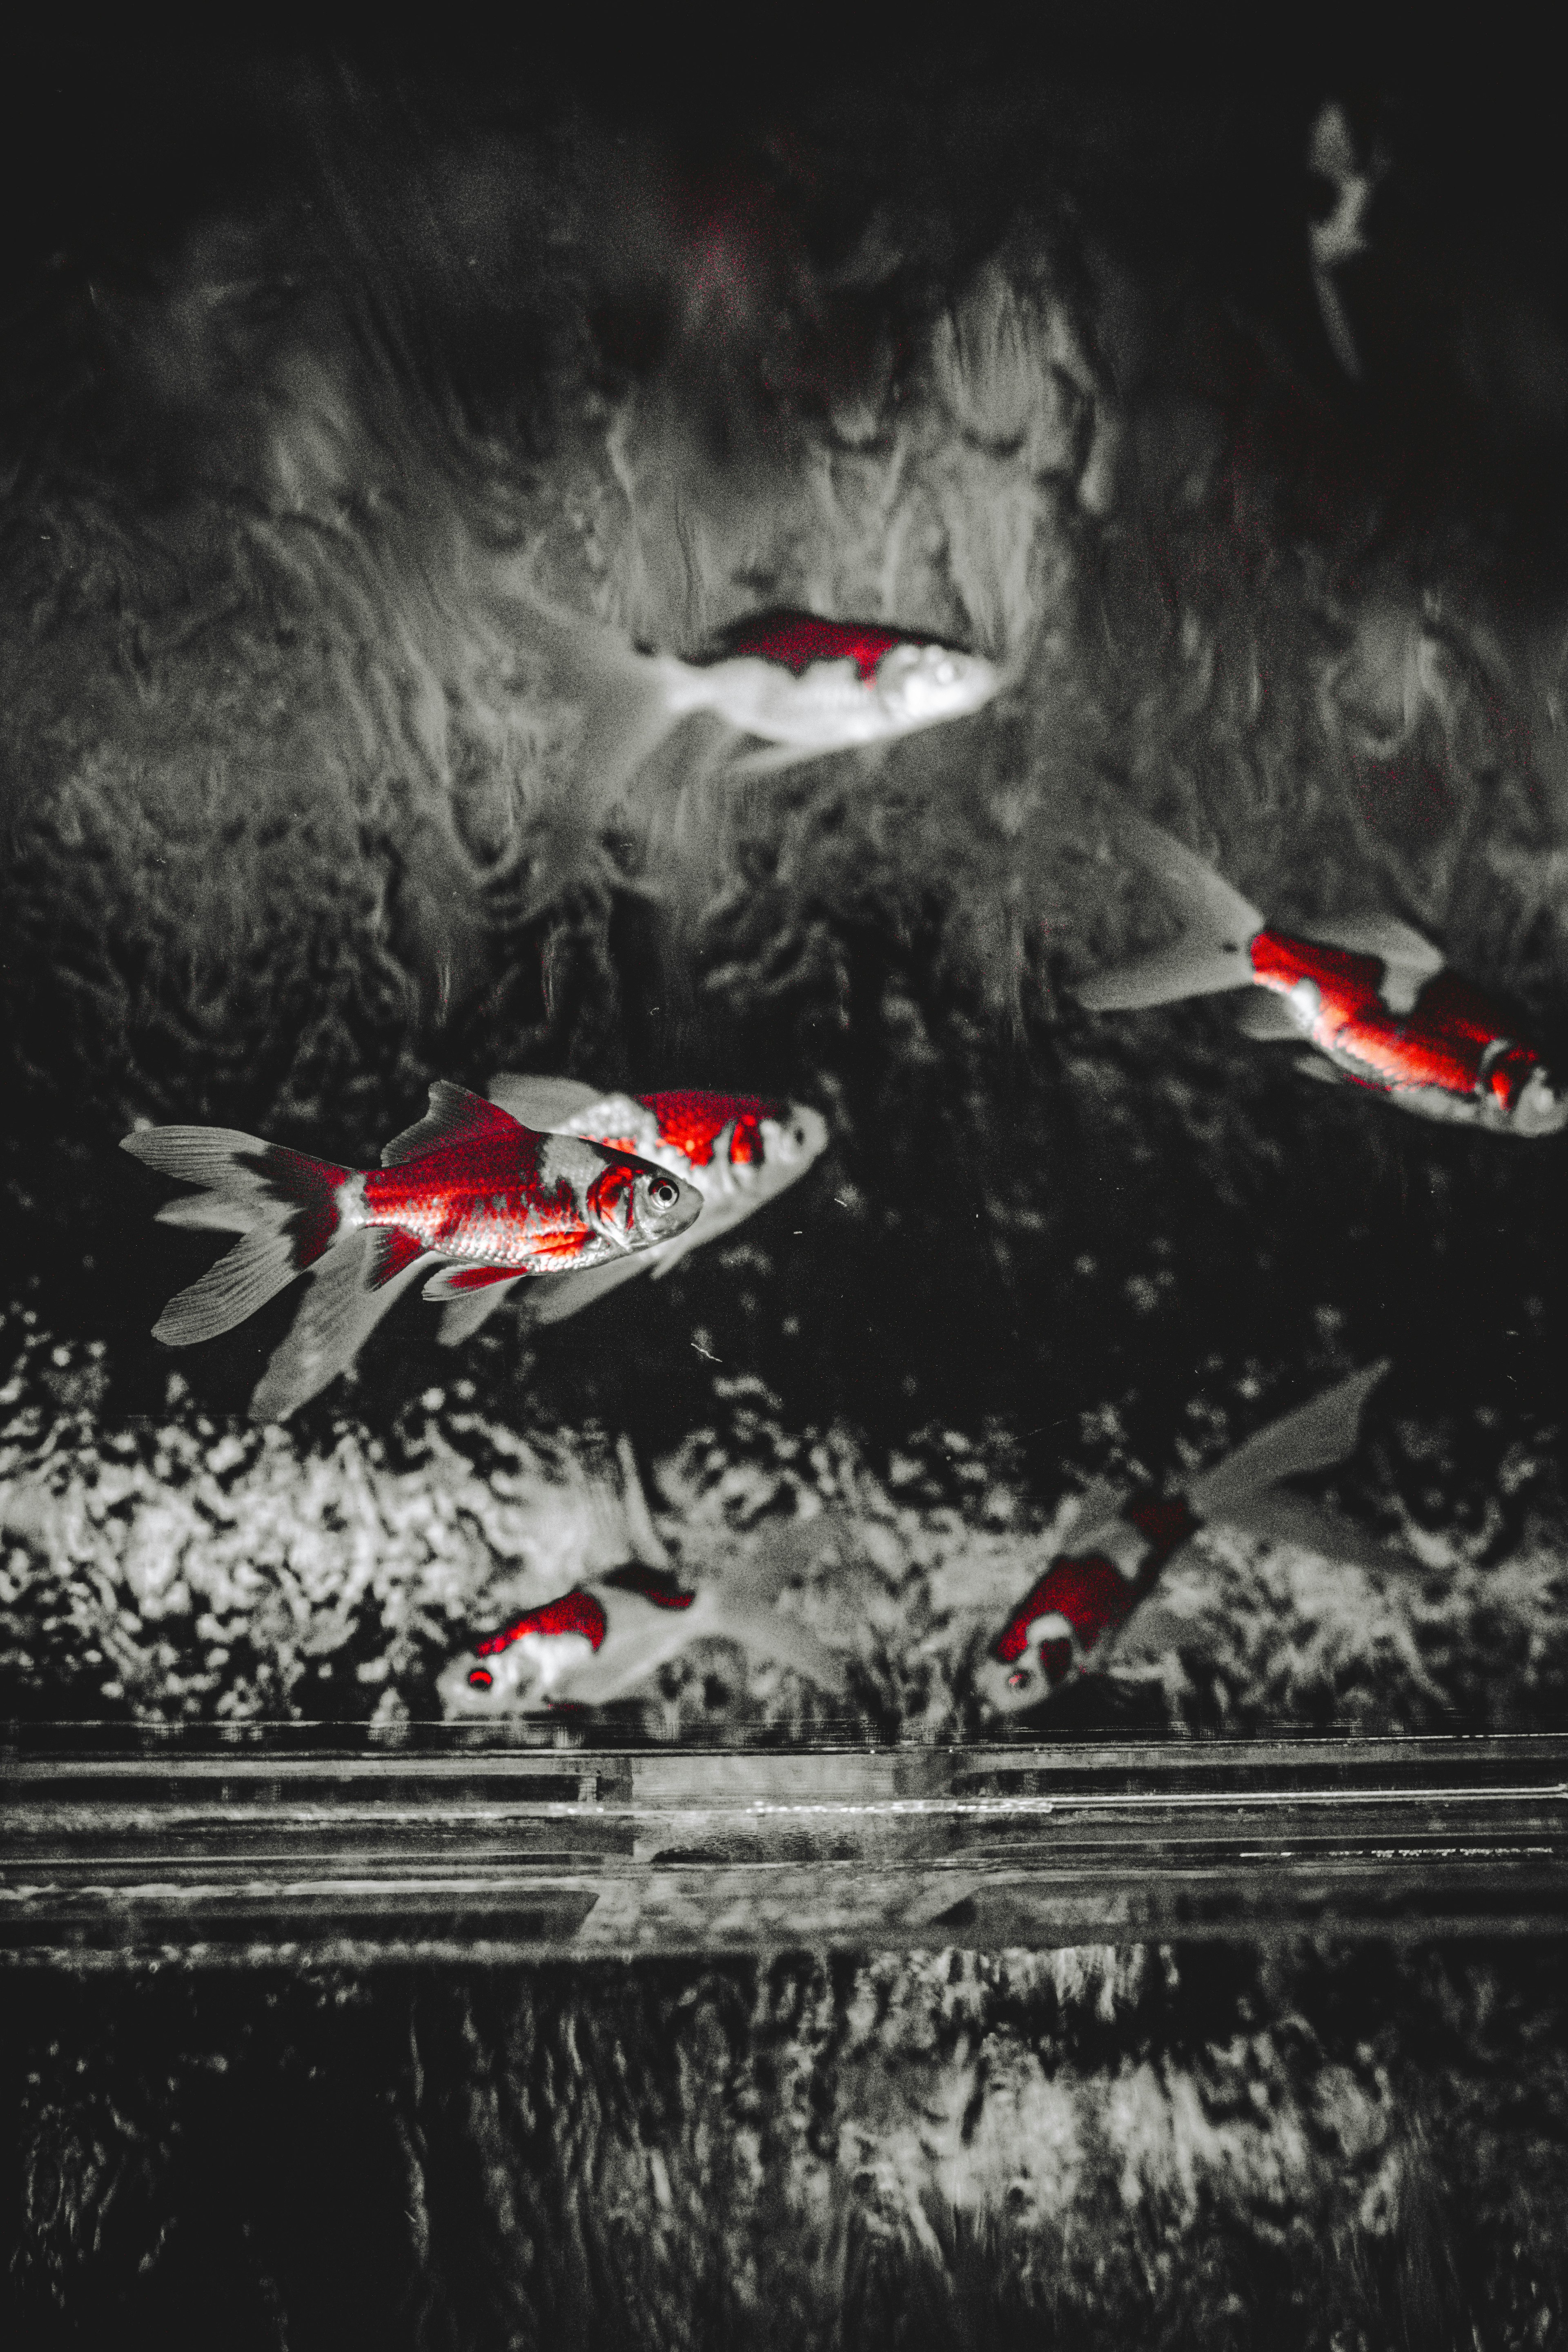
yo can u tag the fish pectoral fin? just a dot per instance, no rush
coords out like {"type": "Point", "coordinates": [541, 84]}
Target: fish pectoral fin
{"type": "Point", "coordinates": [1312, 1066]}
{"type": "Point", "coordinates": [545, 1104]}
{"type": "Point", "coordinates": [552, 1298]}
{"type": "Point", "coordinates": [464, 1281]}
{"type": "Point", "coordinates": [1268, 1020]}
{"type": "Point", "coordinates": [776, 757]}
{"type": "Point", "coordinates": [465, 1315]}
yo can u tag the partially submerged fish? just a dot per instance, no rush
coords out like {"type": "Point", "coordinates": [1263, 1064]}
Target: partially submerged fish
{"type": "Point", "coordinates": [591, 1645]}
{"type": "Point", "coordinates": [1365, 992]}
{"type": "Point", "coordinates": [1121, 1542]}
{"type": "Point", "coordinates": [807, 686]}
{"type": "Point", "coordinates": [739, 1150]}
{"type": "Point", "coordinates": [467, 1197]}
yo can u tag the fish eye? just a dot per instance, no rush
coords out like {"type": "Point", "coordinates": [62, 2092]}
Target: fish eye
{"type": "Point", "coordinates": [663, 1191]}
{"type": "Point", "coordinates": [479, 1678]}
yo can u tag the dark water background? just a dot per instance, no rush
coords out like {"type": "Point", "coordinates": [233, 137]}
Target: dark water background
{"type": "Point", "coordinates": [290, 347]}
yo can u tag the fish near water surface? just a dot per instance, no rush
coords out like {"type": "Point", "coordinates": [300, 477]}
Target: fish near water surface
{"type": "Point", "coordinates": [1120, 1543]}
{"type": "Point", "coordinates": [1365, 993]}
{"type": "Point", "coordinates": [807, 686]}
{"type": "Point", "coordinates": [467, 1197]}
{"type": "Point", "coordinates": [740, 1151]}
{"type": "Point", "coordinates": [591, 1645]}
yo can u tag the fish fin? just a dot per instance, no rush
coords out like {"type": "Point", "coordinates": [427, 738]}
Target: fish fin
{"type": "Point", "coordinates": [776, 757]}
{"type": "Point", "coordinates": [1189, 969]}
{"type": "Point", "coordinates": [1214, 912]}
{"type": "Point", "coordinates": [735, 1618]}
{"type": "Point", "coordinates": [628, 703]}
{"type": "Point", "coordinates": [254, 1271]}
{"type": "Point", "coordinates": [1281, 1517]}
{"type": "Point", "coordinates": [468, 1314]}
{"type": "Point", "coordinates": [1268, 1020]}
{"type": "Point", "coordinates": [670, 1254]}
{"type": "Point", "coordinates": [1098, 1498]}
{"type": "Point", "coordinates": [646, 1544]}
{"type": "Point", "coordinates": [220, 1158]}
{"type": "Point", "coordinates": [552, 1298]}
{"type": "Point", "coordinates": [454, 1115]}
{"type": "Point", "coordinates": [1336, 325]}
{"type": "Point", "coordinates": [283, 1202]}
{"type": "Point", "coordinates": [782, 1550]}
{"type": "Point", "coordinates": [209, 1211]}
{"type": "Point", "coordinates": [1313, 1438]}
{"type": "Point", "coordinates": [463, 1281]}
{"type": "Point", "coordinates": [1378, 935]}
{"type": "Point", "coordinates": [1312, 1066]}
{"type": "Point", "coordinates": [543, 1104]}
{"type": "Point", "coordinates": [351, 1289]}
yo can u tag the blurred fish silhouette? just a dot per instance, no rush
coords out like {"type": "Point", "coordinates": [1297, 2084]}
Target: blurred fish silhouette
{"type": "Point", "coordinates": [806, 685]}
{"type": "Point", "coordinates": [739, 1150]}
{"type": "Point", "coordinates": [1121, 1542]}
{"type": "Point", "coordinates": [467, 1196]}
{"type": "Point", "coordinates": [1341, 236]}
{"type": "Point", "coordinates": [591, 1645]}
{"type": "Point", "coordinates": [1365, 992]}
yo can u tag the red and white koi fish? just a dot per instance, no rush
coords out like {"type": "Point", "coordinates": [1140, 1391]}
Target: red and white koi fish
{"type": "Point", "coordinates": [739, 1150]}
{"type": "Point", "coordinates": [1365, 992]}
{"type": "Point", "coordinates": [597, 1642]}
{"type": "Point", "coordinates": [1120, 1543]}
{"type": "Point", "coordinates": [467, 1196]}
{"type": "Point", "coordinates": [806, 685]}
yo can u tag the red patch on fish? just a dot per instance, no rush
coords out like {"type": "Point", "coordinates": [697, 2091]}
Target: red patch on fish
{"type": "Point", "coordinates": [1447, 1040]}
{"type": "Point", "coordinates": [655, 1584]}
{"type": "Point", "coordinates": [312, 1188]}
{"type": "Point", "coordinates": [1167, 1521]}
{"type": "Point", "coordinates": [691, 1121]}
{"type": "Point", "coordinates": [797, 640]}
{"type": "Point", "coordinates": [1091, 1593]}
{"type": "Point", "coordinates": [573, 1613]}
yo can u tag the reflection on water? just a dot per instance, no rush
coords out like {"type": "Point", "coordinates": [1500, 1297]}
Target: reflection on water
{"type": "Point", "coordinates": [1107, 2146]}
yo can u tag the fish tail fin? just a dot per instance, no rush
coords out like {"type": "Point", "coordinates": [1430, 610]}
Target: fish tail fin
{"type": "Point", "coordinates": [350, 1291]}
{"type": "Point", "coordinates": [1314, 1437]}
{"type": "Point", "coordinates": [1280, 1517]}
{"type": "Point", "coordinates": [741, 1600]}
{"type": "Point", "coordinates": [646, 1542]}
{"type": "Point", "coordinates": [465, 1315]}
{"type": "Point", "coordinates": [736, 1617]}
{"type": "Point", "coordinates": [1211, 956]}
{"type": "Point", "coordinates": [626, 704]}
{"type": "Point", "coordinates": [284, 1204]}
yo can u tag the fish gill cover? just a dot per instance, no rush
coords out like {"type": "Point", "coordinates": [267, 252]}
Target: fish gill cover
{"type": "Point", "coordinates": [1043, 378]}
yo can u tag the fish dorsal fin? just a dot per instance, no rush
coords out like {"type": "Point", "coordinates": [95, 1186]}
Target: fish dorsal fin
{"type": "Point", "coordinates": [1383, 936]}
{"type": "Point", "coordinates": [455, 1116]}
{"type": "Point", "coordinates": [542, 1103]}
